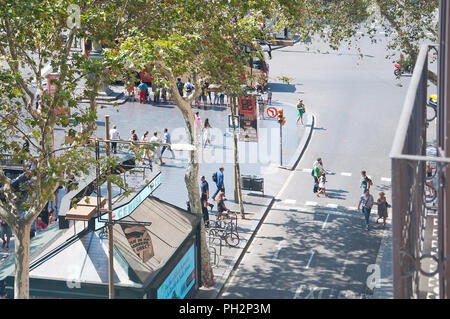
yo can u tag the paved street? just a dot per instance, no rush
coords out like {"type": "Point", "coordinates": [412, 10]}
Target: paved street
{"type": "Point", "coordinates": [311, 247]}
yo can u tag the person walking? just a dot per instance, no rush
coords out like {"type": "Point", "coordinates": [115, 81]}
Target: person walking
{"type": "Point", "coordinates": [300, 111]}
{"type": "Point", "coordinates": [206, 133]}
{"type": "Point", "coordinates": [204, 188]}
{"type": "Point", "coordinates": [146, 139]}
{"type": "Point", "coordinates": [114, 135]}
{"type": "Point", "coordinates": [366, 182]}
{"type": "Point", "coordinates": [218, 179]}
{"type": "Point", "coordinates": [156, 141]}
{"type": "Point", "coordinates": [167, 143]}
{"type": "Point", "coordinates": [216, 98]}
{"type": "Point", "coordinates": [383, 206]}
{"type": "Point", "coordinates": [367, 202]}
{"type": "Point", "coordinates": [197, 126]}
{"type": "Point", "coordinates": [142, 93]}
{"type": "Point", "coordinates": [5, 233]}
{"type": "Point", "coordinates": [180, 86]}
{"type": "Point", "coordinates": [269, 96]}
{"type": "Point", "coordinates": [322, 181]}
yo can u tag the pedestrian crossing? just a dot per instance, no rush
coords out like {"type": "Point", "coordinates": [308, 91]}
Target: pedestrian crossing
{"type": "Point", "coordinates": [349, 174]}
{"type": "Point", "coordinates": [300, 204]}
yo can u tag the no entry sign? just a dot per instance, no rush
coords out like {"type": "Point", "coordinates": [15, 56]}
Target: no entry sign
{"type": "Point", "coordinates": [272, 112]}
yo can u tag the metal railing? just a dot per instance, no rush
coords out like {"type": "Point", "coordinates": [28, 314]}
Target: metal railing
{"type": "Point", "coordinates": [409, 204]}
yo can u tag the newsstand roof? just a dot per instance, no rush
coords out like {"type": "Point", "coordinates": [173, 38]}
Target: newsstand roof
{"type": "Point", "coordinates": [86, 259]}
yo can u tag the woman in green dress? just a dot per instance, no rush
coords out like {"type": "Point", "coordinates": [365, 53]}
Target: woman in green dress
{"type": "Point", "coordinates": [300, 111]}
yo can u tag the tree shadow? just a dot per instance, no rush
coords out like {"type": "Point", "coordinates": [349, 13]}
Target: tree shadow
{"type": "Point", "coordinates": [337, 194]}
{"type": "Point", "coordinates": [281, 87]}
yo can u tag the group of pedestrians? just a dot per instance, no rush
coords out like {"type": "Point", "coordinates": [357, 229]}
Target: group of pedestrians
{"type": "Point", "coordinates": [202, 129]}
{"type": "Point", "coordinates": [366, 201]}
{"type": "Point", "coordinates": [160, 145]}
{"type": "Point", "coordinates": [218, 179]}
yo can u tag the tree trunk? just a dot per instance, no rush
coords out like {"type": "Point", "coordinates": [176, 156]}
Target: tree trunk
{"type": "Point", "coordinates": [237, 168]}
{"type": "Point", "coordinates": [22, 260]}
{"type": "Point", "coordinates": [191, 181]}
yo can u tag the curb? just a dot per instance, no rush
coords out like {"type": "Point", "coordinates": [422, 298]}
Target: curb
{"type": "Point", "coordinates": [300, 151]}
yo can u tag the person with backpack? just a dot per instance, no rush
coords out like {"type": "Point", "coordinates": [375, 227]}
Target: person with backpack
{"type": "Point", "coordinates": [218, 179]}
{"type": "Point", "coordinates": [366, 182]}
{"type": "Point", "coordinates": [189, 87]}
{"type": "Point", "coordinates": [204, 188]}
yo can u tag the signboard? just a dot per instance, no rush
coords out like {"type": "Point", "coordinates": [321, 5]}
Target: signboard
{"type": "Point", "coordinates": [247, 106]}
{"type": "Point", "coordinates": [139, 239]}
{"type": "Point", "coordinates": [181, 278]}
{"type": "Point", "coordinates": [127, 209]}
{"type": "Point", "coordinates": [272, 112]}
{"type": "Point", "coordinates": [146, 76]}
{"type": "Point", "coordinates": [230, 122]}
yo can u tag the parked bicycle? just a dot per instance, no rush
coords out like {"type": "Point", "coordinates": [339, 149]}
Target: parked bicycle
{"type": "Point", "coordinates": [225, 228]}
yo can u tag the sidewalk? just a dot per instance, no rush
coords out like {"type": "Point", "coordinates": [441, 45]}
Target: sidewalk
{"type": "Point", "coordinates": [256, 208]}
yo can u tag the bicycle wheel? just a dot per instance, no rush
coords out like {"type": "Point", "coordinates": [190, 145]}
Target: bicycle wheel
{"type": "Point", "coordinates": [431, 114]}
{"type": "Point", "coordinates": [214, 236]}
{"type": "Point", "coordinates": [232, 239]}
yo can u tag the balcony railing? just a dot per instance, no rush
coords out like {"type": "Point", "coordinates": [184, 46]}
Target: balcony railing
{"type": "Point", "coordinates": [410, 206]}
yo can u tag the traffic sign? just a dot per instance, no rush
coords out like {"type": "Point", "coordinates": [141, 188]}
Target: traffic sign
{"type": "Point", "coordinates": [272, 112]}
{"type": "Point", "coordinates": [236, 121]}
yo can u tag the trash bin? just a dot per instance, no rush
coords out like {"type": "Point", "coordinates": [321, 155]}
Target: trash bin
{"type": "Point", "coordinates": [246, 182]}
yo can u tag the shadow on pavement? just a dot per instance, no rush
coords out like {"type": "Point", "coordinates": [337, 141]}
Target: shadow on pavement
{"type": "Point", "coordinates": [281, 87]}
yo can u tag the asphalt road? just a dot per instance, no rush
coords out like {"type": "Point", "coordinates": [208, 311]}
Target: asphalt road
{"type": "Point", "coordinates": [311, 247]}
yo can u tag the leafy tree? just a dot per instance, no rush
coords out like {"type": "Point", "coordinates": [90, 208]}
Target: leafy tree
{"type": "Point", "coordinates": [30, 39]}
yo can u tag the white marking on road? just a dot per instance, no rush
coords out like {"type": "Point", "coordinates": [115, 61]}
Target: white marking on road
{"type": "Point", "coordinates": [353, 208]}
{"type": "Point", "coordinates": [343, 268]}
{"type": "Point", "coordinates": [332, 205]}
{"type": "Point", "coordinates": [346, 174]}
{"type": "Point", "coordinates": [299, 291]}
{"type": "Point", "coordinates": [310, 259]}
{"type": "Point", "coordinates": [308, 203]}
{"type": "Point", "coordinates": [382, 32]}
{"type": "Point", "coordinates": [307, 170]}
{"type": "Point", "coordinates": [281, 245]}
{"type": "Point", "coordinates": [290, 201]}
{"type": "Point", "coordinates": [325, 222]}
{"type": "Point", "coordinates": [386, 179]}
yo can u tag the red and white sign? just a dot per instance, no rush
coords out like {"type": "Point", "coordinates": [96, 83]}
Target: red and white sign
{"type": "Point", "coordinates": [247, 106]}
{"type": "Point", "coordinates": [272, 112]}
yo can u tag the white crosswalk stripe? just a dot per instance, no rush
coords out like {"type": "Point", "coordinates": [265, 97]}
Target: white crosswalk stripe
{"type": "Point", "coordinates": [386, 179]}
{"type": "Point", "coordinates": [332, 205]}
{"type": "Point", "coordinates": [308, 203]}
{"type": "Point", "coordinates": [346, 174]}
{"type": "Point", "coordinates": [290, 201]}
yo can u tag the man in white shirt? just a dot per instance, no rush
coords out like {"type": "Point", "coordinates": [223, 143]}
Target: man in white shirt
{"type": "Point", "coordinates": [114, 135]}
{"type": "Point", "coordinates": [367, 203]}
{"type": "Point", "coordinates": [157, 145]}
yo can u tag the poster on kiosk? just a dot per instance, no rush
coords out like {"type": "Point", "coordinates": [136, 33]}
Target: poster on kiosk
{"type": "Point", "coordinates": [52, 79]}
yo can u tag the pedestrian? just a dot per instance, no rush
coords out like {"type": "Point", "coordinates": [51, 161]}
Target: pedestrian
{"type": "Point", "coordinates": [221, 205]}
{"type": "Point", "coordinates": [269, 96]}
{"type": "Point", "coordinates": [146, 139]}
{"type": "Point", "coordinates": [133, 137]}
{"type": "Point", "coordinates": [204, 188]}
{"type": "Point", "coordinates": [317, 169]}
{"type": "Point", "coordinates": [167, 143]}
{"type": "Point", "coordinates": [188, 86]}
{"type": "Point", "coordinates": [222, 98]}
{"type": "Point", "coordinates": [366, 182]}
{"type": "Point", "coordinates": [197, 126]}
{"type": "Point", "coordinates": [206, 133]}
{"type": "Point", "coordinates": [205, 93]}
{"type": "Point", "coordinates": [130, 91]}
{"type": "Point", "coordinates": [429, 182]}
{"type": "Point", "coordinates": [322, 181]}
{"type": "Point", "coordinates": [216, 98]}
{"type": "Point", "coordinates": [367, 203]}
{"type": "Point", "coordinates": [218, 179]}
{"type": "Point", "coordinates": [383, 206]}
{"type": "Point", "coordinates": [156, 93]}
{"type": "Point", "coordinates": [156, 141]}
{"type": "Point", "coordinates": [115, 136]}
{"type": "Point", "coordinates": [208, 91]}
{"type": "Point", "coordinates": [5, 233]}
{"type": "Point", "coordinates": [142, 93]}
{"type": "Point", "coordinates": [40, 225]}
{"type": "Point", "coordinates": [300, 111]}
{"type": "Point", "coordinates": [180, 86]}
